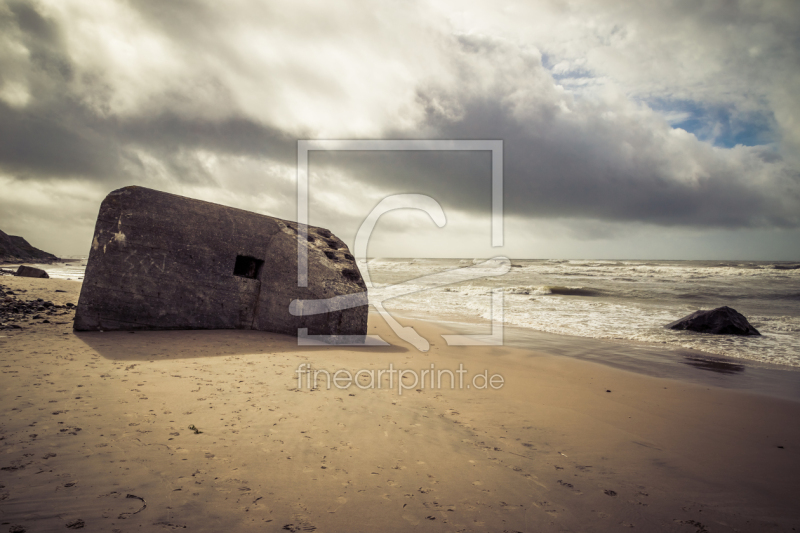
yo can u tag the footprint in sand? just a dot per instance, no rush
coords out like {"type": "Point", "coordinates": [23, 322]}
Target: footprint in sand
{"type": "Point", "coordinates": [439, 507]}
{"type": "Point", "coordinates": [300, 526]}
{"type": "Point", "coordinates": [411, 520]}
{"type": "Point", "coordinates": [509, 506]}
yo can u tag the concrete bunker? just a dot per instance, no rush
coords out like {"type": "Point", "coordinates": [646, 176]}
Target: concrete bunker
{"type": "Point", "coordinates": [162, 261]}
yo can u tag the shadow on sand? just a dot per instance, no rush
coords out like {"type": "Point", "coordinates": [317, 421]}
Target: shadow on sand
{"type": "Point", "coordinates": [714, 365]}
{"type": "Point", "coordinates": [192, 344]}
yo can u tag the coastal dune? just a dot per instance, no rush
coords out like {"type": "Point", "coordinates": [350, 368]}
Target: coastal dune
{"type": "Point", "coordinates": [95, 433]}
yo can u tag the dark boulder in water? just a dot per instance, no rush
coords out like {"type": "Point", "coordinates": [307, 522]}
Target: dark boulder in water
{"type": "Point", "coordinates": [720, 321]}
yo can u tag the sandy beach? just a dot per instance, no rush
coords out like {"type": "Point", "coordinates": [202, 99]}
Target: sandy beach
{"type": "Point", "coordinates": [95, 435]}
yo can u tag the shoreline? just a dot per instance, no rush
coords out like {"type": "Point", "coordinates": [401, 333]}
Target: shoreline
{"type": "Point", "coordinates": [54, 261]}
{"type": "Point", "coordinates": [649, 359]}
{"type": "Point", "coordinates": [625, 302]}
{"type": "Point", "coordinates": [564, 444]}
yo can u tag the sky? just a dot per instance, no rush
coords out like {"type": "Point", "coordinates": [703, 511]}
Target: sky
{"type": "Point", "coordinates": [631, 130]}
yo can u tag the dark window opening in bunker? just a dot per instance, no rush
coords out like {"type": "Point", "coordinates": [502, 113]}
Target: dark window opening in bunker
{"type": "Point", "coordinates": [247, 267]}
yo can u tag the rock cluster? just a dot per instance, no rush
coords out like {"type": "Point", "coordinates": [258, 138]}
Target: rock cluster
{"type": "Point", "coordinates": [15, 312]}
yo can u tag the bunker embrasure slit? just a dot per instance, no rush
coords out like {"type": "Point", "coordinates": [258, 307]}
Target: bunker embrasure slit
{"type": "Point", "coordinates": [247, 267]}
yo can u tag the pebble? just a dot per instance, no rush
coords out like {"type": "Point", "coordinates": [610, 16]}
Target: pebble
{"type": "Point", "coordinates": [13, 309]}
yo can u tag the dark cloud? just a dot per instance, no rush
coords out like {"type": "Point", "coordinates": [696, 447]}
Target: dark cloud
{"type": "Point", "coordinates": [166, 134]}
{"type": "Point", "coordinates": [173, 85]}
{"type": "Point", "coordinates": [59, 133]}
{"type": "Point", "coordinates": [583, 160]}
{"type": "Point", "coordinates": [63, 139]}
{"type": "Point", "coordinates": [590, 171]}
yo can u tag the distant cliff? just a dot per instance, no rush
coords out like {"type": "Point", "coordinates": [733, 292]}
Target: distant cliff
{"type": "Point", "coordinates": [18, 250]}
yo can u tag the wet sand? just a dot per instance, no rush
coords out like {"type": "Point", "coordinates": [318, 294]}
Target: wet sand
{"type": "Point", "coordinates": [95, 433]}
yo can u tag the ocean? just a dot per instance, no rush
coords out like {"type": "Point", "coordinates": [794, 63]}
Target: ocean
{"type": "Point", "coordinates": [627, 301]}
{"type": "Point", "coordinates": [72, 269]}
{"type": "Point", "coordinates": [623, 301]}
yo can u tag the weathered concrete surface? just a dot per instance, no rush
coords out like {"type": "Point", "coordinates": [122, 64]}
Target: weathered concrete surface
{"type": "Point", "coordinates": [15, 249]}
{"type": "Point", "coordinates": [161, 261]}
{"type": "Point", "coordinates": [31, 272]}
{"type": "Point", "coordinates": [721, 321]}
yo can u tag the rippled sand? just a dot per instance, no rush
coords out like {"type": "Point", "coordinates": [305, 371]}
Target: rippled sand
{"type": "Point", "coordinates": [95, 431]}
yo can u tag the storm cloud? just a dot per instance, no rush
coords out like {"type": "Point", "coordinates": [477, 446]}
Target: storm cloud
{"type": "Point", "coordinates": [683, 115]}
